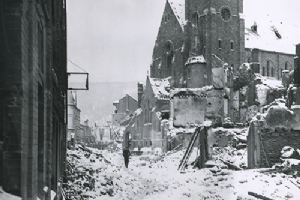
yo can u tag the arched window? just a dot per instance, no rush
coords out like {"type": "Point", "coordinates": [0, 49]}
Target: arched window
{"type": "Point", "coordinates": [231, 45]}
{"type": "Point", "coordinates": [195, 19]}
{"type": "Point", "coordinates": [263, 71]}
{"type": "Point", "coordinates": [196, 41]}
{"type": "Point", "coordinates": [286, 66]}
{"type": "Point", "coordinates": [268, 68]}
{"type": "Point", "coordinates": [169, 54]}
{"type": "Point", "coordinates": [220, 44]}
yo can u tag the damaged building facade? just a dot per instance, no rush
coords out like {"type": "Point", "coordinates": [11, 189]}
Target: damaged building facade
{"type": "Point", "coordinates": [199, 39]}
{"type": "Point", "coordinates": [191, 28]}
{"type": "Point", "coordinates": [124, 107]}
{"type": "Point", "coordinates": [147, 126]}
{"type": "Point", "coordinates": [278, 127]}
{"type": "Point", "coordinates": [218, 68]}
{"type": "Point", "coordinates": [33, 103]}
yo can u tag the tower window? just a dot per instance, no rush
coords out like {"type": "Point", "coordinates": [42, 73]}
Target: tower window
{"type": "Point", "coordinates": [225, 13]}
{"type": "Point", "coordinates": [196, 41]}
{"type": "Point", "coordinates": [231, 45]}
{"type": "Point", "coordinates": [195, 19]}
{"type": "Point", "coordinates": [220, 44]}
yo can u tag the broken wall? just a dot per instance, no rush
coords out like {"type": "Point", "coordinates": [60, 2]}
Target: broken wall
{"type": "Point", "coordinates": [269, 133]}
{"type": "Point", "coordinates": [197, 75]}
{"type": "Point", "coordinates": [188, 109]}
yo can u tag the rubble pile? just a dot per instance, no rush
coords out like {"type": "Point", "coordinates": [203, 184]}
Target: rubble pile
{"type": "Point", "coordinates": [99, 174]}
{"type": "Point", "coordinates": [290, 158]}
{"type": "Point", "coordinates": [229, 148]}
{"type": "Point", "coordinates": [81, 174]}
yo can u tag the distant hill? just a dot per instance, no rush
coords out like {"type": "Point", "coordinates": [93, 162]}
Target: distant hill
{"type": "Point", "coordinates": [96, 104]}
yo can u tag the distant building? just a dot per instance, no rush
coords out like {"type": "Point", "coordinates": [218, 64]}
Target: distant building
{"type": "Point", "coordinates": [105, 134]}
{"type": "Point", "coordinates": [272, 48]}
{"type": "Point", "coordinates": [84, 134]}
{"type": "Point", "coordinates": [33, 97]}
{"type": "Point", "coordinates": [145, 125]}
{"type": "Point", "coordinates": [123, 107]}
{"type": "Point", "coordinates": [73, 114]}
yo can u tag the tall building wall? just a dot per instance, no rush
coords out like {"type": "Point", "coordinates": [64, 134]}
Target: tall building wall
{"type": "Point", "coordinates": [27, 94]}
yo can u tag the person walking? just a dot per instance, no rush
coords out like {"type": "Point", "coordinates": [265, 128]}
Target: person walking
{"type": "Point", "coordinates": [126, 152]}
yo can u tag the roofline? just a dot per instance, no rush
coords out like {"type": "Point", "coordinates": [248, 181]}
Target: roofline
{"type": "Point", "coordinates": [182, 26]}
{"type": "Point", "coordinates": [269, 51]}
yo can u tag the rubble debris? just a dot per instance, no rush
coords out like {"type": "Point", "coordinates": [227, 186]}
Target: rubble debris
{"type": "Point", "coordinates": [259, 196]}
{"type": "Point", "coordinates": [231, 166]}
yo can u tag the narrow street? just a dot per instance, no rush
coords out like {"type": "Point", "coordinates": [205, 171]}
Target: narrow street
{"type": "Point", "coordinates": [149, 100]}
{"type": "Point", "coordinates": [156, 177]}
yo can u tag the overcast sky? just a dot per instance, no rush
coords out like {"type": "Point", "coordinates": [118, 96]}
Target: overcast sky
{"type": "Point", "coordinates": [113, 39]}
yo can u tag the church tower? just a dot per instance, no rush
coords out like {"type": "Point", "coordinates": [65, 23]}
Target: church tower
{"type": "Point", "coordinates": [215, 29]}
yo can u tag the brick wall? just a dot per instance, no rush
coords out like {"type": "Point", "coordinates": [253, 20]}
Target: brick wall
{"type": "Point", "coordinates": [265, 143]}
{"type": "Point", "coordinates": [169, 31]}
{"type": "Point", "coordinates": [274, 140]}
{"type": "Point", "coordinates": [278, 61]}
{"type": "Point", "coordinates": [27, 134]}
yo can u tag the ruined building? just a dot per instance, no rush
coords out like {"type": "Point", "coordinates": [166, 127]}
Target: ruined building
{"type": "Point", "coordinates": [212, 29]}
{"type": "Point", "coordinates": [124, 107]}
{"type": "Point", "coordinates": [198, 69]}
{"type": "Point", "coordinates": [33, 97]}
{"type": "Point", "coordinates": [277, 128]}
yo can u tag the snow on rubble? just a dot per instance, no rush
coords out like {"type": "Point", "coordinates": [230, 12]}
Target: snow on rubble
{"type": "Point", "coordinates": [99, 174]}
{"type": "Point", "coordinates": [160, 87]}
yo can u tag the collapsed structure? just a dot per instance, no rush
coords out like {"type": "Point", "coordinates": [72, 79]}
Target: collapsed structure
{"type": "Point", "coordinates": [277, 128]}
{"type": "Point", "coordinates": [207, 65]}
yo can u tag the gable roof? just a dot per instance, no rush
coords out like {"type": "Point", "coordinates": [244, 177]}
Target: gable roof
{"type": "Point", "coordinates": [270, 36]}
{"type": "Point", "coordinates": [178, 7]}
{"type": "Point", "coordinates": [160, 87]}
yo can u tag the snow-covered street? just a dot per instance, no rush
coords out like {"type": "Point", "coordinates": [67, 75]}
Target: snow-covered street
{"type": "Point", "coordinates": [156, 177]}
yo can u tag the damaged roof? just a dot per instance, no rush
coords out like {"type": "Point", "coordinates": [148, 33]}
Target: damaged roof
{"type": "Point", "coordinates": [178, 7]}
{"type": "Point", "coordinates": [271, 36]}
{"type": "Point", "coordinates": [160, 87]}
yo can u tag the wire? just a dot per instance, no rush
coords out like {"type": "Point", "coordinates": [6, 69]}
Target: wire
{"type": "Point", "coordinates": [76, 65]}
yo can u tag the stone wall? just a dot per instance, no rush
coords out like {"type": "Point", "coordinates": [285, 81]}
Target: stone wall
{"type": "Point", "coordinates": [269, 134]}
{"type": "Point", "coordinates": [188, 109]}
{"type": "Point", "coordinates": [197, 75]}
{"type": "Point", "coordinates": [277, 61]}
{"type": "Point", "coordinates": [168, 45]}
{"type": "Point", "coordinates": [27, 92]}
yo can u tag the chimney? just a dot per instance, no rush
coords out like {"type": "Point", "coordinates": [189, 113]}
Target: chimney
{"type": "Point", "coordinates": [140, 93]}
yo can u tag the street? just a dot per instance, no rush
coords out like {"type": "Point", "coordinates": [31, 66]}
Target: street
{"type": "Point", "coordinates": [156, 177]}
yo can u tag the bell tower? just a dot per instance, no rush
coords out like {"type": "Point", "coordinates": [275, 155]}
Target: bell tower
{"type": "Point", "coordinates": [215, 28]}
